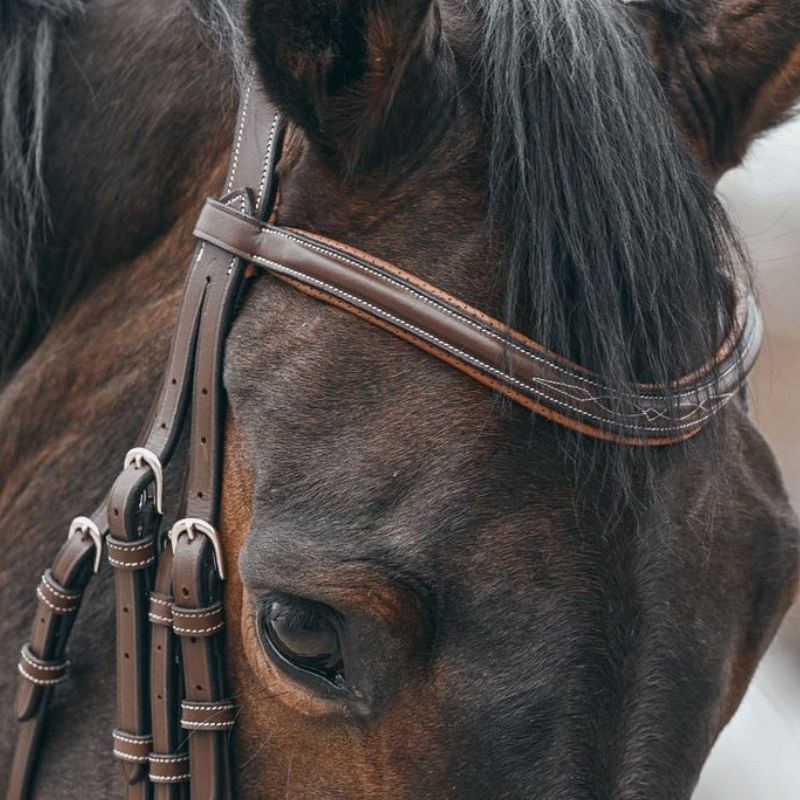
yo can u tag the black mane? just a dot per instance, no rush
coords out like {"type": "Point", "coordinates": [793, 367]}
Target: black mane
{"type": "Point", "coordinates": [619, 252]}
{"type": "Point", "coordinates": [621, 255]}
{"type": "Point", "coordinates": [28, 32]}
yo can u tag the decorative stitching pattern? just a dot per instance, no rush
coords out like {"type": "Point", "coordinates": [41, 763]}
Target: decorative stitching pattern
{"type": "Point", "coordinates": [440, 305]}
{"type": "Point", "coordinates": [529, 388]}
{"type": "Point", "coordinates": [702, 407]}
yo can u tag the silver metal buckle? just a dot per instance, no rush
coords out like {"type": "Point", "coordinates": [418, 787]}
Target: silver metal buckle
{"type": "Point", "coordinates": [191, 526]}
{"type": "Point", "coordinates": [141, 455]}
{"type": "Point", "coordinates": [83, 526]}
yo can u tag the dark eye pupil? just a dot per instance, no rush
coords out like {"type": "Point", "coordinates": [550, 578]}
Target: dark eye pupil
{"type": "Point", "coordinates": [305, 637]}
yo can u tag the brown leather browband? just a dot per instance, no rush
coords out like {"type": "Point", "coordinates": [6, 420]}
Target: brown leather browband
{"type": "Point", "coordinates": [170, 672]}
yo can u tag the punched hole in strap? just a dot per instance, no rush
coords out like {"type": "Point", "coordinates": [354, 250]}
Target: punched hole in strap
{"type": "Point", "coordinates": [40, 671]}
{"type": "Point", "coordinates": [217, 715]}
{"type": "Point", "coordinates": [131, 747]}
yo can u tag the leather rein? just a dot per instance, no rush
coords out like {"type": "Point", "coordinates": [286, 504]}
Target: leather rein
{"type": "Point", "coordinates": [174, 716]}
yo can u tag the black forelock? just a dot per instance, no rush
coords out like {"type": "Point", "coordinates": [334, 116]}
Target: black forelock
{"type": "Point", "coordinates": [619, 254]}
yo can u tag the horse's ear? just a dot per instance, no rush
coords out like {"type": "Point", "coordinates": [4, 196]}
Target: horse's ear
{"type": "Point", "coordinates": [731, 68]}
{"type": "Point", "coordinates": [367, 80]}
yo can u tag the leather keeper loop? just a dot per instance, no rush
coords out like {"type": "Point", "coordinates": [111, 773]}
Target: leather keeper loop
{"type": "Point", "coordinates": [135, 555]}
{"type": "Point", "coordinates": [58, 599]}
{"type": "Point", "coordinates": [173, 768]}
{"type": "Point", "coordinates": [38, 671]}
{"type": "Point", "coordinates": [209, 716]}
{"type": "Point", "coordinates": [160, 609]}
{"type": "Point", "coordinates": [132, 748]}
{"type": "Point", "coordinates": [198, 621]}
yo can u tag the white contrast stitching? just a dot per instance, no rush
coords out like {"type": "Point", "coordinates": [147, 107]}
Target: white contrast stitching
{"type": "Point", "coordinates": [189, 631]}
{"type": "Point", "coordinates": [155, 618]}
{"type": "Point", "coordinates": [124, 549]}
{"type": "Point", "coordinates": [167, 759]}
{"type": "Point", "coordinates": [131, 738]}
{"type": "Point", "coordinates": [117, 563]}
{"type": "Point", "coordinates": [48, 581]}
{"type": "Point", "coordinates": [169, 778]}
{"type": "Point", "coordinates": [615, 418]}
{"type": "Point", "coordinates": [57, 609]}
{"type": "Point", "coordinates": [128, 757]}
{"type": "Point", "coordinates": [39, 681]}
{"type": "Point", "coordinates": [267, 161]}
{"type": "Point", "coordinates": [280, 268]}
{"type": "Point", "coordinates": [189, 705]}
{"type": "Point", "coordinates": [47, 667]}
{"type": "Point", "coordinates": [239, 135]}
{"type": "Point", "coordinates": [189, 612]}
{"type": "Point", "coordinates": [187, 724]}
{"type": "Point", "coordinates": [466, 320]}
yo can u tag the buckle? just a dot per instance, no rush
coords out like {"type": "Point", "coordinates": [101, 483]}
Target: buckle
{"type": "Point", "coordinates": [141, 455]}
{"type": "Point", "coordinates": [83, 526]}
{"type": "Point", "coordinates": [191, 526]}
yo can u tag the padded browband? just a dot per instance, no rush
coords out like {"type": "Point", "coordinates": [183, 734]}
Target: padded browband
{"type": "Point", "coordinates": [484, 348]}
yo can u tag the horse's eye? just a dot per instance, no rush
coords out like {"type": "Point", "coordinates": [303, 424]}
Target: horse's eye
{"type": "Point", "coordinates": [305, 635]}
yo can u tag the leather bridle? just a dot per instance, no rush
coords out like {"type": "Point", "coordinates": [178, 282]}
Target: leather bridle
{"type": "Point", "coordinates": [174, 717]}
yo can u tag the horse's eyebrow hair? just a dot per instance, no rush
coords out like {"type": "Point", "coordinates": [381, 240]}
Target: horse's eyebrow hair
{"type": "Point", "coordinates": [401, 575]}
{"type": "Point", "coordinates": [410, 579]}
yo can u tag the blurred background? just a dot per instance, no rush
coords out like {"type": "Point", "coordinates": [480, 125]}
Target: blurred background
{"type": "Point", "coordinates": [758, 755]}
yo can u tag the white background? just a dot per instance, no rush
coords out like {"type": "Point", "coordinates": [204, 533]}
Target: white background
{"type": "Point", "coordinates": [758, 755]}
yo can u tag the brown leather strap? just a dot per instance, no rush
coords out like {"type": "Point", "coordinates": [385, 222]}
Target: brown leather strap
{"type": "Point", "coordinates": [186, 598]}
{"type": "Point", "coordinates": [134, 507]}
{"type": "Point", "coordinates": [197, 565]}
{"type": "Point", "coordinates": [133, 525]}
{"type": "Point", "coordinates": [59, 596]}
{"type": "Point", "coordinates": [169, 761]}
{"type": "Point", "coordinates": [483, 347]}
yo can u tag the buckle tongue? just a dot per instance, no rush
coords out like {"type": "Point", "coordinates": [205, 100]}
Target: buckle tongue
{"type": "Point", "coordinates": [191, 526]}
{"type": "Point", "coordinates": [141, 455]}
{"type": "Point", "coordinates": [83, 526]}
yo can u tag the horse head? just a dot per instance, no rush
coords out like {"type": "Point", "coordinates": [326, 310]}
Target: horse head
{"type": "Point", "coordinates": [439, 595]}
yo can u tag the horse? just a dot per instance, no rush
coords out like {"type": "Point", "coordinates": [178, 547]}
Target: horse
{"type": "Point", "coordinates": [515, 609]}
